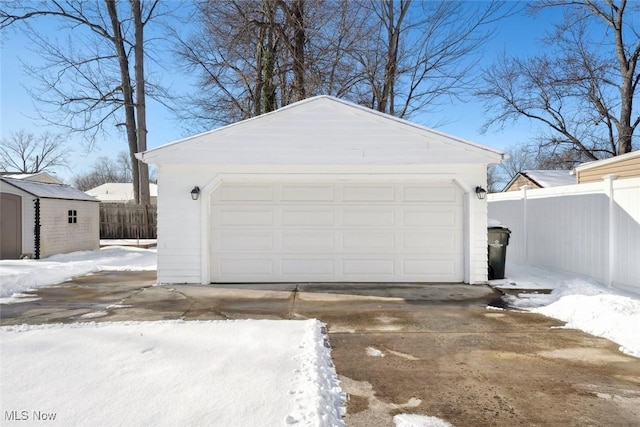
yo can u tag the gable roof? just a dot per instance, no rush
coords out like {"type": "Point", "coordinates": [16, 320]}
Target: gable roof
{"type": "Point", "coordinates": [322, 130]}
{"type": "Point", "coordinates": [46, 190]}
{"type": "Point", "coordinates": [550, 178]}
{"type": "Point", "coordinates": [541, 179]}
{"type": "Point", "coordinates": [38, 176]}
{"type": "Point", "coordinates": [118, 191]}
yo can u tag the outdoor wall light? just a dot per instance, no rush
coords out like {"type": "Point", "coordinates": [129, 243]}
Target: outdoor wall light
{"type": "Point", "coordinates": [480, 192]}
{"type": "Point", "coordinates": [195, 193]}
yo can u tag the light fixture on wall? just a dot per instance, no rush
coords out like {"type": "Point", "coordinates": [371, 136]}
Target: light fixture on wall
{"type": "Point", "coordinates": [195, 193]}
{"type": "Point", "coordinates": [481, 193]}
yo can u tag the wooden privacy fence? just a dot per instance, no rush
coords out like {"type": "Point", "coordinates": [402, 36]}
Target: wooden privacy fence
{"type": "Point", "coordinates": [127, 221]}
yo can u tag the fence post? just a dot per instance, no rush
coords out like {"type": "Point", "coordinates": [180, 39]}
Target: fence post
{"type": "Point", "coordinates": [611, 230]}
{"type": "Point", "coordinates": [525, 224]}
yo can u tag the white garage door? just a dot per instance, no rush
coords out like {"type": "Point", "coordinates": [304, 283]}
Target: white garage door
{"type": "Point", "coordinates": [336, 232]}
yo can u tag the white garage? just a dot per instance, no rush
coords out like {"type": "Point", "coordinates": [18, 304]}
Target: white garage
{"type": "Point", "coordinates": [321, 191]}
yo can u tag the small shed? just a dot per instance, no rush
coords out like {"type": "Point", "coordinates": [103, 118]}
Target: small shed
{"type": "Point", "coordinates": [623, 166]}
{"type": "Point", "coordinates": [42, 219]}
{"type": "Point", "coordinates": [322, 190]}
{"type": "Point", "coordinates": [540, 179]}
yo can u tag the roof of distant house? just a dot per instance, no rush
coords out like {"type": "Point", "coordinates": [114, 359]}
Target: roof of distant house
{"type": "Point", "coordinates": [118, 191]}
{"type": "Point", "coordinates": [551, 178]}
{"type": "Point", "coordinates": [38, 176]}
{"type": "Point", "coordinates": [543, 178]}
{"type": "Point", "coordinates": [47, 190]}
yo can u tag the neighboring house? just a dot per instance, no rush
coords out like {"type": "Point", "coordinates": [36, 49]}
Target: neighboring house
{"type": "Point", "coordinates": [322, 190]}
{"type": "Point", "coordinates": [623, 166]}
{"type": "Point", "coordinates": [540, 179]}
{"type": "Point", "coordinates": [43, 219]}
{"type": "Point", "coordinates": [37, 177]}
{"type": "Point", "coordinates": [116, 192]}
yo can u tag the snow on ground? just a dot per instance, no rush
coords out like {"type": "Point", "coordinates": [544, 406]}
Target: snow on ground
{"type": "Point", "coordinates": [244, 372]}
{"type": "Point", "coordinates": [167, 373]}
{"type": "Point", "coordinates": [582, 302]}
{"type": "Point", "coordinates": [17, 276]}
{"type": "Point", "coordinates": [412, 420]}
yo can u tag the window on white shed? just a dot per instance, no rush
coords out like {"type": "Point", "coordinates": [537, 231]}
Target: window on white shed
{"type": "Point", "coordinates": [73, 216]}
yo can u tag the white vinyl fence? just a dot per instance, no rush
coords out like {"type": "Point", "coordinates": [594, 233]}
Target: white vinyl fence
{"type": "Point", "coordinates": [589, 229]}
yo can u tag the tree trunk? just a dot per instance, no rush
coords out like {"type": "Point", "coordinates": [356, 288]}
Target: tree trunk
{"type": "Point", "coordinates": [297, 18]}
{"type": "Point", "coordinates": [141, 109]}
{"type": "Point", "coordinates": [269, 52]}
{"type": "Point", "coordinates": [127, 93]}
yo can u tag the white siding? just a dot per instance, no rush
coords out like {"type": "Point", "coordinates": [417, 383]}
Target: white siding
{"type": "Point", "coordinates": [184, 224]}
{"type": "Point", "coordinates": [58, 236]}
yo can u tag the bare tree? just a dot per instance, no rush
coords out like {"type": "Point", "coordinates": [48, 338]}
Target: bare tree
{"type": "Point", "coordinates": [582, 90]}
{"type": "Point", "coordinates": [255, 56]}
{"type": "Point", "coordinates": [28, 153]}
{"type": "Point", "coordinates": [103, 171]}
{"type": "Point", "coordinates": [424, 53]}
{"type": "Point", "coordinates": [89, 82]}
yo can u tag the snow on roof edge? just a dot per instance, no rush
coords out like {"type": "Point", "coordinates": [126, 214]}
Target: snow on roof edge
{"type": "Point", "coordinates": [59, 191]}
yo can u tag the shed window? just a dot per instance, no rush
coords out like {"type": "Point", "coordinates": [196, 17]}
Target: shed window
{"type": "Point", "coordinates": [73, 216]}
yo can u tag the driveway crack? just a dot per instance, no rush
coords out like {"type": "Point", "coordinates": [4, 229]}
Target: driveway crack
{"type": "Point", "coordinates": [293, 302]}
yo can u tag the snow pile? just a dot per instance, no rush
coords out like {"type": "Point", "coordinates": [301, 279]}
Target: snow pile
{"type": "Point", "coordinates": [412, 420]}
{"type": "Point", "coordinates": [242, 373]}
{"type": "Point", "coordinates": [581, 302]}
{"type": "Point", "coordinates": [374, 352]}
{"type": "Point", "coordinates": [614, 317]}
{"type": "Point", "coordinates": [20, 275]}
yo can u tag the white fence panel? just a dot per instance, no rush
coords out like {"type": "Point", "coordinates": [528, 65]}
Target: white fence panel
{"type": "Point", "coordinates": [626, 241]}
{"type": "Point", "coordinates": [576, 228]}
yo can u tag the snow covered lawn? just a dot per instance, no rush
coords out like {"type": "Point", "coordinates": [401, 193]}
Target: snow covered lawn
{"type": "Point", "coordinates": [223, 373]}
{"type": "Point", "coordinates": [581, 302]}
{"type": "Point", "coordinates": [17, 276]}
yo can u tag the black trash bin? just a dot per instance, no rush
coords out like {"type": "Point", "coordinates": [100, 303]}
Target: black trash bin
{"type": "Point", "coordinates": [498, 238]}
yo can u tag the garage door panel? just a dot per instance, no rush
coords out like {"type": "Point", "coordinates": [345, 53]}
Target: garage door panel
{"type": "Point", "coordinates": [431, 242]}
{"type": "Point", "coordinates": [368, 241]}
{"type": "Point", "coordinates": [245, 193]}
{"type": "Point", "coordinates": [246, 217]}
{"type": "Point", "coordinates": [362, 267]}
{"type": "Point", "coordinates": [429, 267]}
{"type": "Point", "coordinates": [367, 217]}
{"type": "Point", "coordinates": [308, 242]}
{"type": "Point", "coordinates": [311, 267]}
{"type": "Point", "coordinates": [308, 217]}
{"type": "Point", "coordinates": [429, 194]}
{"type": "Point", "coordinates": [368, 194]}
{"type": "Point", "coordinates": [434, 218]}
{"type": "Point", "coordinates": [234, 241]}
{"type": "Point", "coordinates": [308, 193]}
{"type": "Point", "coordinates": [246, 266]}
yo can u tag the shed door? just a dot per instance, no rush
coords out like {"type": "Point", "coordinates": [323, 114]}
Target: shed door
{"type": "Point", "coordinates": [10, 226]}
{"type": "Point", "coordinates": [348, 232]}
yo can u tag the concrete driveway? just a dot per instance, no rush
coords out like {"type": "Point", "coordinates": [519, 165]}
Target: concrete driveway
{"type": "Point", "coordinates": [425, 349]}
